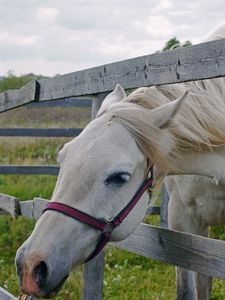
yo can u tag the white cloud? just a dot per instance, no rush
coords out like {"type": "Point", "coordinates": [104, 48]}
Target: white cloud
{"type": "Point", "coordinates": [18, 39]}
{"type": "Point", "coordinates": [47, 15]}
{"type": "Point", "coordinates": [164, 4]}
{"type": "Point", "coordinates": [159, 26]}
{"type": "Point", "coordinates": [57, 36]}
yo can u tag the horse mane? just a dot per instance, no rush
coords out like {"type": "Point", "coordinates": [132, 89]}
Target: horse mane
{"type": "Point", "coordinates": [198, 126]}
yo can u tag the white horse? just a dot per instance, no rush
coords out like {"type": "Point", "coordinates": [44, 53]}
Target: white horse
{"type": "Point", "coordinates": [103, 167]}
{"type": "Point", "coordinates": [195, 204]}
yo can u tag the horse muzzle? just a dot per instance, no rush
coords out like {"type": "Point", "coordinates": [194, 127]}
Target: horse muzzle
{"type": "Point", "coordinates": [36, 277]}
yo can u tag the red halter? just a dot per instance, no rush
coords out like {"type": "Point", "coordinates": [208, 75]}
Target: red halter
{"type": "Point", "coordinates": [106, 226]}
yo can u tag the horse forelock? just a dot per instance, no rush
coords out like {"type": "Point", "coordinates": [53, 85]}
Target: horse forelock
{"type": "Point", "coordinates": [198, 126]}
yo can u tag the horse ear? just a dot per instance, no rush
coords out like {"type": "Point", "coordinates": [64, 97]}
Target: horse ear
{"type": "Point", "coordinates": [115, 96]}
{"type": "Point", "coordinates": [162, 116]}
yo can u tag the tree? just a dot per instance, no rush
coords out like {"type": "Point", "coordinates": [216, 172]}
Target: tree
{"type": "Point", "coordinates": [187, 43]}
{"type": "Point", "coordinates": [11, 81]}
{"type": "Point", "coordinates": [171, 44]}
{"type": "Point", "coordinates": [175, 43]}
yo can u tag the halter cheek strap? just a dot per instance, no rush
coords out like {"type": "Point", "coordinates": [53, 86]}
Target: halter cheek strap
{"type": "Point", "coordinates": [107, 226]}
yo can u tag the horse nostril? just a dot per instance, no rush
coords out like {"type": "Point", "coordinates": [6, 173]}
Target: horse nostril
{"type": "Point", "coordinates": [40, 274]}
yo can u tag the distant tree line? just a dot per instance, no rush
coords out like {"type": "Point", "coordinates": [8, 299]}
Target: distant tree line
{"type": "Point", "coordinates": [11, 81]}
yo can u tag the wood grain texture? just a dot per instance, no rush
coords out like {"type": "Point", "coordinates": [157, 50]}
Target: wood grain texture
{"type": "Point", "coordinates": [33, 209]}
{"type": "Point", "coordinates": [189, 251]}
{"type": "Point", "coordinates": [201, 61]}
{"type": "Point", "coordinates": [93, 278]}
{"type": "Point", "coordinates": [39, 205]}
{"type": "Point", "coordinates": [15, 98]}
{"type": "Point", "coordinates": [26, 208]}
{"type": "Point", "coordinates": [9, 205]}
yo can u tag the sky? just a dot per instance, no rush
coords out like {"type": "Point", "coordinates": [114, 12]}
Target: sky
{"type": "Point", "coordinates": [52, 37]}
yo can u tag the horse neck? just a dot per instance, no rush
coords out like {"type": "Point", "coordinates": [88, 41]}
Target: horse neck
{"type": "Point", "coordinates": [211, 164]}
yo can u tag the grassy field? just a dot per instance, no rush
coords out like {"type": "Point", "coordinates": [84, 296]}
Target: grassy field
{"type": "Point", "coordinates": [127, 276]}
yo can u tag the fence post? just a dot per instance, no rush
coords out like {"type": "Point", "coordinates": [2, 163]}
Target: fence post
{"type": "Point", "coordinates": [96, 104]}
{"type": "Point", "coordinates": [93, 278]}
{"type": "Point", "coordinates": [94, 269]}
{"type": "Point", "coordinates": [164, 207]}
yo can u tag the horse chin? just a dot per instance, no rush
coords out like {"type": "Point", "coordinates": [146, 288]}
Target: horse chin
{"type": "Point", "coordinates": [56, 290]}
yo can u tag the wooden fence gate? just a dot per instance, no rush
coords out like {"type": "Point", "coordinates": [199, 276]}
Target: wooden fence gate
{"type": "Point", "coordinates": [198, 62]}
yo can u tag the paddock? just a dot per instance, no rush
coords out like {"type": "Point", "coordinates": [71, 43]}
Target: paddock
{"type": "Point", "coordinates": [88, 88]}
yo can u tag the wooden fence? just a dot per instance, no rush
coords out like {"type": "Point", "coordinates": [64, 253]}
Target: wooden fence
{"type": "Point", "coordinates": [201, 61]}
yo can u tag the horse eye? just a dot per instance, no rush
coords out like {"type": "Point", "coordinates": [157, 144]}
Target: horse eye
{"type": "Point", "coordinates": [117, 179]}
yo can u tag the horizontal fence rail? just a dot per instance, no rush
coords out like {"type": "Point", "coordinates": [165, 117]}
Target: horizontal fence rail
{"type": "Point", "coordinates": [29, 170]}
{"type": "Point", "coordinates": [41, 132]}
{"type": "Point", "coordinates": [14, 207]}
{"type": "Point", "coordinates": [185, 250]}
{"type": "Point", "coordinates": [192, 63]}
{"type": "Point", "coordinates": [206, 60]}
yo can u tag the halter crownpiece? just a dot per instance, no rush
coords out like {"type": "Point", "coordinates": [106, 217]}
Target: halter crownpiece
{"type": "Point", "coordinates": [106, 226]}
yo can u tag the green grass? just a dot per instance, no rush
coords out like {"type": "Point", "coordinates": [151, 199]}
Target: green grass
{"type": "Point", "coordinates": [128, 276]}
{"type": "Point", "coordinates": [45, 117]}
{"type": "Point", "coordinates": [30, 150]}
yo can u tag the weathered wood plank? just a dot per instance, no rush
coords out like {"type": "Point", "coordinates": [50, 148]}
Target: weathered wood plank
{"type": "Point", "coordinates": [201, 61]}
{"type": "Point", "coordinates": [93, 278]}
{"type": "Point", "coordinates": [4, 295]}
{"type": "Point", "coordinates": [39, 205]}
{"type": "Point", "coordinates": [68, 102]}
{"type": "Point", "coordinates": [164, 207]}
{"type": "Point", "coordinates": [189, 251]}
{"type": "Point", "coordinates": [33, 208]}
{"type": "Point", "coordinates": [26, 208]}
{"type": "Point", "coordinates": [15, 98]}
{"type": "Point", "coordinates": [206, 60]}
{"type": "Point", "coordinates": [9, 205]}
{"type": "Point", "coordinates": [29, 170]}
{"type": "Point", "coordinates": [41, 132]}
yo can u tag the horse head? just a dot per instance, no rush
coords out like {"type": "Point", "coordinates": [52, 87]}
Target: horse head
{"type": "Point", "coordinates": [100, 171]}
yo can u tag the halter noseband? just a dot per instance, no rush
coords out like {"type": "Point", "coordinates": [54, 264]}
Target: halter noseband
{"type": "Point", "coordinates": [106, 226]}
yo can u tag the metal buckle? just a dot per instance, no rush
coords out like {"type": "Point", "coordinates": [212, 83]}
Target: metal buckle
{"type": "Point", "coordinates": [109, 227]}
